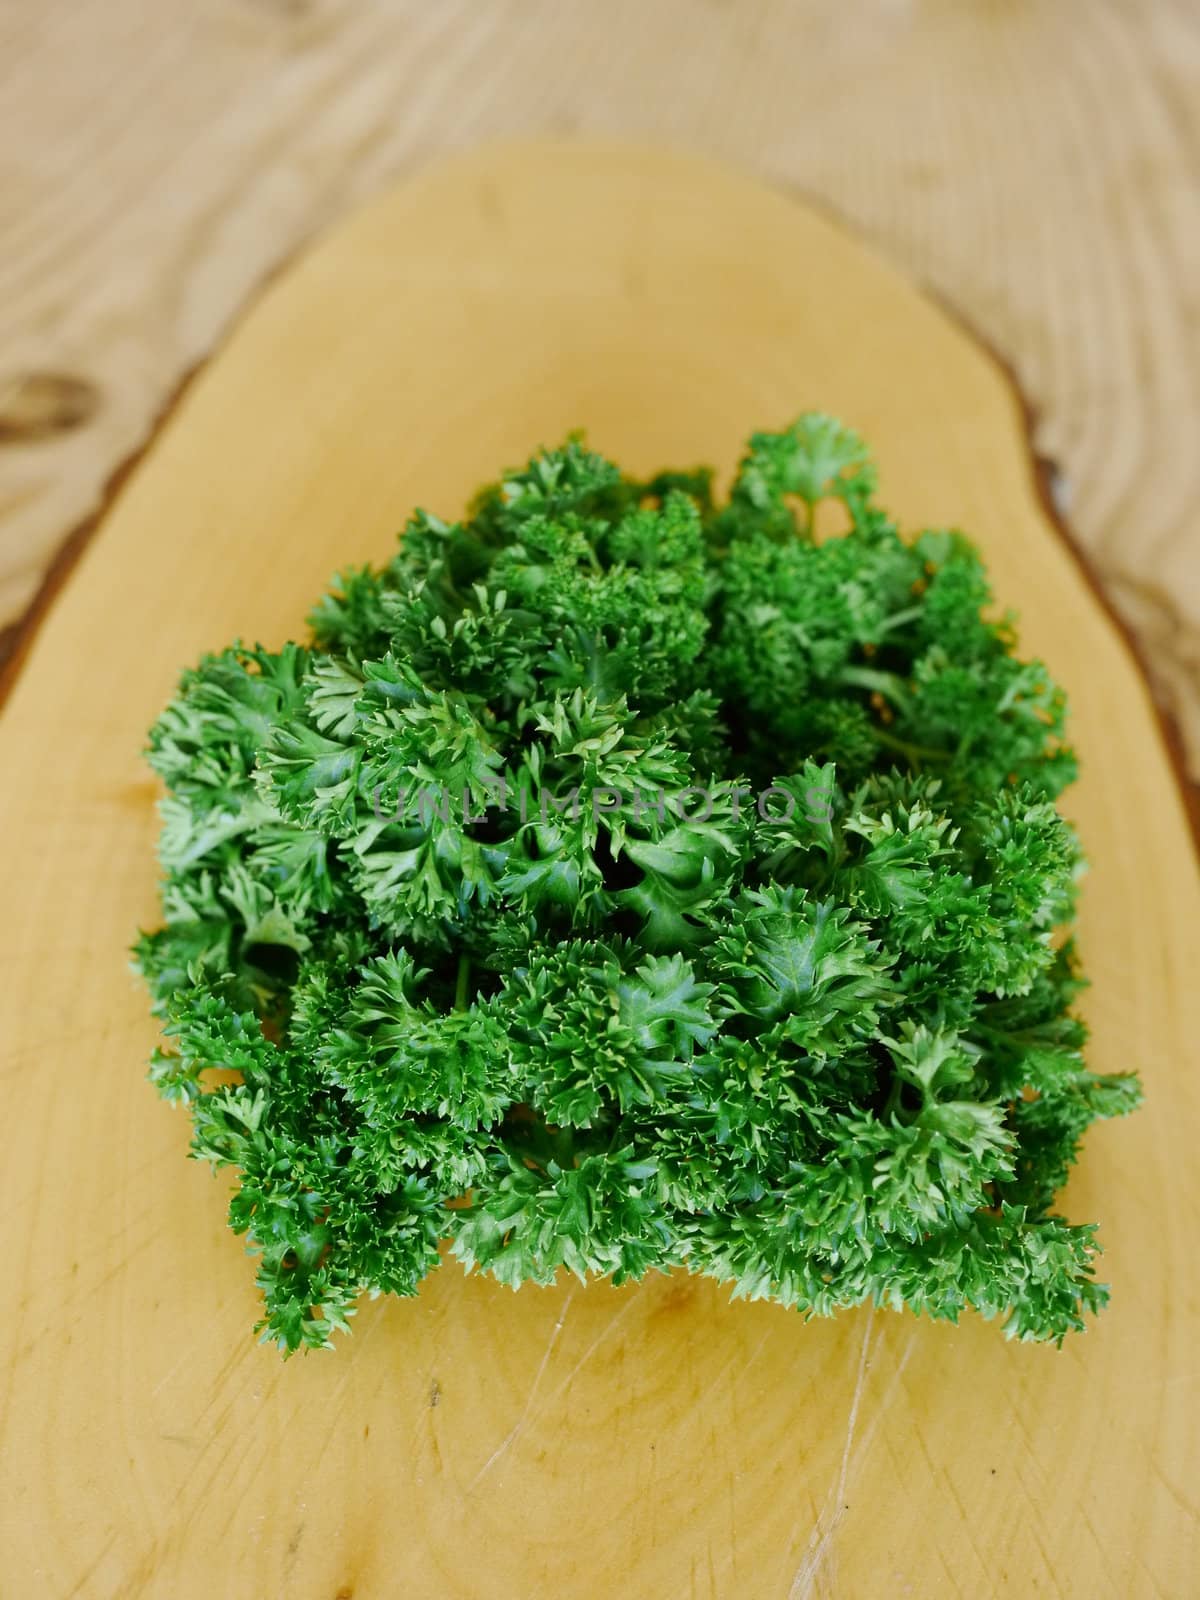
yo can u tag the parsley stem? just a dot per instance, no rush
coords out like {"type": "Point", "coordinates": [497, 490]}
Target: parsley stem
{"type": "Point", "coordinates": [899, 619]}
{"type": "Point", "coordinates": [916, 753]}
{"type": "Point", "coordinates": [893, 1100]}
{"type": "Point", "coordinates": [460, 987]}
{"type": "Point", "coordinates": [885, 683]}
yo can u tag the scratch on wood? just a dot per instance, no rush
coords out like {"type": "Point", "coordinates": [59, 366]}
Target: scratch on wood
{"type": "Point", "coordinates": [888, 1395]}
{"type": "Point", "coordinates": [513, 1433]}
{"type": "Point", "coordinates": [617, 1317]}
{"type": "Point", "coordinates": [820, 1540]}
{"type": "Point", "coordinates": [89, 1570]}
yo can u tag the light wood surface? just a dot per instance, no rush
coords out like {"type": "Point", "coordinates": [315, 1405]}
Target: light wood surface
{"type": "Point", "coordinates": [473, 1444]}
{"type": "Point", "coordinates": [1037, 161]}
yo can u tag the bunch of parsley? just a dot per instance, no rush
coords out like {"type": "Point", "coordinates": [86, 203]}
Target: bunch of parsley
{"type": "Point", "coordinates": [622, 880]}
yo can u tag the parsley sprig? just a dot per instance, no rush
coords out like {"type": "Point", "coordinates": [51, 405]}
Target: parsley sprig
{"type": "Point", "coordinates": [625, 879]}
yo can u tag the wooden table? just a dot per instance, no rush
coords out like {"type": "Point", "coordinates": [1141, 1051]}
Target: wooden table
{"type": "Point", "coordinates": [1034, 163]}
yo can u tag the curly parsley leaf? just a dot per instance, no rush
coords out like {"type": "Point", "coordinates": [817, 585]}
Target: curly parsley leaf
{"type": "Point", "coordinates": [622, 880]}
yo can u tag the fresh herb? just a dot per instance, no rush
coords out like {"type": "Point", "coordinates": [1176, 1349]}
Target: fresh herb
{"type": "Point", "coordinates": [621, 879]}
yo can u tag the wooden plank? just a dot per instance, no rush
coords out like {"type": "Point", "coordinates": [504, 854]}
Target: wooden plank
{"type": "Point", "coordinates": [649, 1441]}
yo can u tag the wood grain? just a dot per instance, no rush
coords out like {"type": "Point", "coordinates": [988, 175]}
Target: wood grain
{"type": "Point", "coordinates": [1037, 163]}
{"type": "Point", "coordinates": [654, 1441]}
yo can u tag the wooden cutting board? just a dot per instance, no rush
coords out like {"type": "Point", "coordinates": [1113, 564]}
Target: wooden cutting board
{"type": "Point", "coordinates": [656, 1440]}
